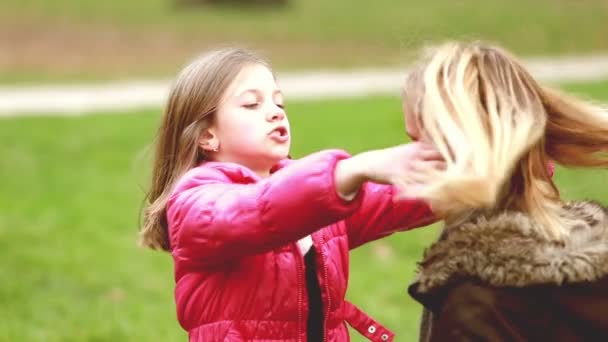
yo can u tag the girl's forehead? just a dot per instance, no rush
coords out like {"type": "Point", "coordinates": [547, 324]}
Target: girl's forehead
{"type": "Point", "coordinates": [253, 77]}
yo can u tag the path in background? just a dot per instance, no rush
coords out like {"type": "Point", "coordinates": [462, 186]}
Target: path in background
{"type": "Point", "coordinates": [126, 96]}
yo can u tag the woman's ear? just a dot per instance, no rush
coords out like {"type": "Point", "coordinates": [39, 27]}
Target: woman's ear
{"type": "Point", "coordinates": [208, 140]}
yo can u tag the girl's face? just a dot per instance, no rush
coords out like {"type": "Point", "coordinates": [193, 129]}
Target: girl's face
{"type": "Point", "coordinates": [251, 127]}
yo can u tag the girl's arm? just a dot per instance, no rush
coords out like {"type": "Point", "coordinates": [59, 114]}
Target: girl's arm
{"type": "Point", "coordinates": [212, 220]}
{"type": "Point", "coordinates": [380, 215]}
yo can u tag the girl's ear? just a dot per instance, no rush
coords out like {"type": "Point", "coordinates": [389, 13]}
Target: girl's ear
{"type": "Point", "coordinates": [208, 141]}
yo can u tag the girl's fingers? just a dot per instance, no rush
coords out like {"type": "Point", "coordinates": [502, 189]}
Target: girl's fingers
{"type": "Point", "coordinates": [438, 165]}
{"type": "Point", "coordinates": [424, 167]}
{"type": "Point", "coordinates": [406, 180]}
{"type": "Point", "coordinates": [430, 154]}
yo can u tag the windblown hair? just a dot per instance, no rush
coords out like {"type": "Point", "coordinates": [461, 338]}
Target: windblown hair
{"type": "Point", "coordinates": [192, 103]}
{"type": "Point", "coordinates": [499, 129]}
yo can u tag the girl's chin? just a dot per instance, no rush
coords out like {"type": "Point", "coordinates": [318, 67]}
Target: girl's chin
{"type": "Point", "coordinates": [278, 157]}
{"type": "Point", "coordinates": [280, 152]}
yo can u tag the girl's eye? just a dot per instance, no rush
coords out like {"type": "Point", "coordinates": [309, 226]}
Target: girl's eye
{"type": "Point", "coordinates": [280, 105]}
{"type": "Point", "coordinates": [251, 105]}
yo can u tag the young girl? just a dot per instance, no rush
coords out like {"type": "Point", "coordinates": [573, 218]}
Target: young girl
{"type": "Point", "coordinates": [514, 262]}
{"type": "Point", "coordinates": [260, 243]}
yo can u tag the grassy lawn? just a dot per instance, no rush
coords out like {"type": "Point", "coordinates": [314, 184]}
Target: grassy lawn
{"type": "Point", "coordinates": [70, 194]}
{"type": "Point", "coordinates": [93, 39]}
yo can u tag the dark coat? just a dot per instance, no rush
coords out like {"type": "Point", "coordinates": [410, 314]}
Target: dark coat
{"type": "Point", "coordinates": [494, 278]}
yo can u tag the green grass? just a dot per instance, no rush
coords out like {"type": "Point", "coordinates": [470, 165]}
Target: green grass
{"type": "Point", "coordinates": [70, 194]}
{"type": "Point", "coordinates": [305, 34]}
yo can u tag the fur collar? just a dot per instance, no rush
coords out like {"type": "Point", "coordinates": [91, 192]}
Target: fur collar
{"type": "Point", "coordinates": [504, 250]}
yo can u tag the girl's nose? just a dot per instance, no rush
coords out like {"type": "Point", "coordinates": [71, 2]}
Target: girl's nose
{"type": "Point", "coordinates": [276, 114]}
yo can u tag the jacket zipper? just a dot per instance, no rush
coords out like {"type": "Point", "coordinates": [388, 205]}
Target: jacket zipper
{"type": "Point", "coordinates": [300, 273]}
{"type": "Point", "coordinates": [326, 285]}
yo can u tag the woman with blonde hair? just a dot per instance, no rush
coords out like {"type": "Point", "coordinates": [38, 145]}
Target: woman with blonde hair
{"type": "Point", "coordinates": [514, 261]}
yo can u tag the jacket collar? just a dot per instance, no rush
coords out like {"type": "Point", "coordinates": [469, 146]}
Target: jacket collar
{"type": "Point", "coordinates": [505, 250]}
{"type": "Point", "coordinates": [242, 174]}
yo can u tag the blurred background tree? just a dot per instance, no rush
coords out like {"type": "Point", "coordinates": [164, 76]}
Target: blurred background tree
{"type": "Point", "coordinates": [242, 3]}
{"type": "Point", "coordinates": [75, 40]}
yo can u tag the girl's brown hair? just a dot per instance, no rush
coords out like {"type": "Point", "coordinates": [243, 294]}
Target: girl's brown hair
{"type": "Point", "coordinates": [192, 103]}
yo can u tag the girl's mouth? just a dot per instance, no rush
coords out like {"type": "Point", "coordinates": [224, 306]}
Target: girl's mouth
{"type": "Point", "coordinates": [279, 134]}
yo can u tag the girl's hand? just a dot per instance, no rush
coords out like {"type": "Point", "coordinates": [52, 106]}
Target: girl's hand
{"type": "Point", "coordinates": [406, 166]}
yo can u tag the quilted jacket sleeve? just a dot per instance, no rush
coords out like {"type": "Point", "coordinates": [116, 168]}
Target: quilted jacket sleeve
{"type": "Point", "coordinates": [381, 215]}
{"type": "Point", "coordinates": [212, 220]}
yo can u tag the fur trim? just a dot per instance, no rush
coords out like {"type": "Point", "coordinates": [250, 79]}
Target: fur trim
{"type": "Point", "coordinates": [506, 250]}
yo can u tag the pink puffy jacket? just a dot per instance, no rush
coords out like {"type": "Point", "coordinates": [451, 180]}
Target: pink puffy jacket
{"type": "Point", "coordinates": [239, 273]}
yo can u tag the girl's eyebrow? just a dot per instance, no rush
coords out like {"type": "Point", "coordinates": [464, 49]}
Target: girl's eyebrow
{"type": "Point", "coordinates": [258, 92]}
{"type": "Point", "coordinates": [253, 91]}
